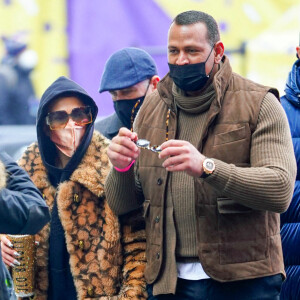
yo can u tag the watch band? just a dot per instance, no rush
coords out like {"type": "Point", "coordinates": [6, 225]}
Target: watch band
{"type": "Point", "coordinates": [204, 175]}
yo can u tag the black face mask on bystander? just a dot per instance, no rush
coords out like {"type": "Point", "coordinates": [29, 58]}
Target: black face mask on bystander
{"type": "Point", "coordinates": [127, 109]}
{"type": "Point", "coordinates": [124, 108]}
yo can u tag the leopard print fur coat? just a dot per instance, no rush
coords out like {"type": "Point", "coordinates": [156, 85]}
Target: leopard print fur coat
{"type": "Point", "coordinates": [107, 253]}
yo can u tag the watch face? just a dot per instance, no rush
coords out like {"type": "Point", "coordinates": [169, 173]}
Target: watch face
{"type": "Point", "coordinates": [209, 165]}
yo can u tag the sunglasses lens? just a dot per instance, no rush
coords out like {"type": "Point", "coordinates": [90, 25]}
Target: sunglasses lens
{"type": "Point", "coordinates": [82, 115]}
{"type": "Point", "coordinates": [141, 143]}
{"type": "Point", "coordinates": [57, 119]}
{"type": "Point", "coordinates": [156, 149]}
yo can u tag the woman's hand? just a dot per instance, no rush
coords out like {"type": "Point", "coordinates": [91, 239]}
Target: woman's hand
{"type": "Point", "coordinates": [9, 255]}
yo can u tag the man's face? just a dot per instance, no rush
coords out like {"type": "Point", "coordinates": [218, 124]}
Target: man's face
{"type": "Point", "coordinates": [187, 44]}
{"type": "Point", "coordinates": [132, 92]}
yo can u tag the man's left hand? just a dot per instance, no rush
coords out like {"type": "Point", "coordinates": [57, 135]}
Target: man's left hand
{"type": "Point", "coordinates": [182, 156]}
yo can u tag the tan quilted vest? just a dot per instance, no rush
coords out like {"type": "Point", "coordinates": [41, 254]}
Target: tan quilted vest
{"type": "Point", "coordinates": [234, 242]}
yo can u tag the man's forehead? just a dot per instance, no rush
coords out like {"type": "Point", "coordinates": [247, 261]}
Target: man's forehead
{"type": "Point", "coordinates": [184, 33]}
{"type": "Point", "coordinates": [128, 89]}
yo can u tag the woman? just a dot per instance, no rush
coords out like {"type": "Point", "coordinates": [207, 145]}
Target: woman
{"type": "Point", "coordinates": [85, 252]}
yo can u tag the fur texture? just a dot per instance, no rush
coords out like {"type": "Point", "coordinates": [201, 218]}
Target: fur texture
{"type": "Point", "coordinates": [107, 255]}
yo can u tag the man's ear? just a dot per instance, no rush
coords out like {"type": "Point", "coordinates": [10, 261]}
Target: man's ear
{"type": "Point", "coordinates": [219, 52]}
{"type": "Point", "coordinates": [153, 82]}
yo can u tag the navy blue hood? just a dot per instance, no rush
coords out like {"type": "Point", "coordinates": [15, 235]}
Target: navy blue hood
{"type": "Point", "coordinates": [292, 87]}
{"type": "Point", "coordinates": [60, 88]}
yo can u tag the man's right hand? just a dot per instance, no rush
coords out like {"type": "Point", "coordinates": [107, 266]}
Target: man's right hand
{"type": "Point", "coordinates": [122, 149]}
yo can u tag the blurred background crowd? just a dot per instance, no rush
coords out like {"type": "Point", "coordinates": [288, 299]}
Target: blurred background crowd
{"type": "Point", "coordinates": [42, 40]}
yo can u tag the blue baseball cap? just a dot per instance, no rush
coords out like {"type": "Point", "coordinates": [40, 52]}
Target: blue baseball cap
{"type": "Point", "coordinates": [126, 68]}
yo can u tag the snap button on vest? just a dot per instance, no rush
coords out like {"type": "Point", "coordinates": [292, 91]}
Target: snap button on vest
{"type": "Point", "coordinates": [90, 291]}
{"type": "Point", "coordinates": [159, 181]}
{"type": "Point", "coordinates": [157, 255]}
{"type": "Point", "coordinates": [157, 218]}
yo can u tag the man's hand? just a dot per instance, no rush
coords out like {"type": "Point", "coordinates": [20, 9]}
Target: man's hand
{"type": "Point", "coordinates": [182, 156]}
{"type": "Point", "coordinates": [122, 150]}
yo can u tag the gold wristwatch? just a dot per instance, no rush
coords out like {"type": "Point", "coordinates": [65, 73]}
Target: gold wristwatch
{"type": "Point", "coordinates": [208, 167]}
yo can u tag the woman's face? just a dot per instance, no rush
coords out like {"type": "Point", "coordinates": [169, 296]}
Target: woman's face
{"type": "Point", "coordinates": [66, 123]}
{"type": "Point", "coordinates": [64, 103]}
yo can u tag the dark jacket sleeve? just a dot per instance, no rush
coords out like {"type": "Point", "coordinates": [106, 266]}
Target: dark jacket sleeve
{"type": "Point", "coordinates": [22, 207]}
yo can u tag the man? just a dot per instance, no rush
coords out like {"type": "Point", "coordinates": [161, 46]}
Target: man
{"type": "Point", "coordinates": [225, 171]}
{"type": "Point", "coordinates": [17, 101]}
{"type": "Point", "coordinates": [290, 221]}
{"type": "Point", "coordinates": [129, 75]}
{"type": "Point", "coordinates": [22, 211]}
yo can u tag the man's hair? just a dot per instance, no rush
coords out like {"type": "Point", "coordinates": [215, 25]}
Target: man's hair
{"type": "Point", "coordinates": [195, 16]}
{"type": "Point", "coordinates": [147, 81]}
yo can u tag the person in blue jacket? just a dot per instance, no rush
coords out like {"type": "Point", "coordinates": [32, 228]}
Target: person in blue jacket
{"type": "Point", "coordinates": [290, 220]}
{"type": "Point", "coordinates": [22, 211]}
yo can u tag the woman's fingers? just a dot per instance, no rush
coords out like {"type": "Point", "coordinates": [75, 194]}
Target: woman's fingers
{"type": "Point", "coordinates": [9, 255]}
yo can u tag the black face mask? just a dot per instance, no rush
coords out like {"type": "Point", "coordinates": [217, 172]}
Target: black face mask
{"type": "Point", "coordinates": [190, 77]}
{"type": "Point", "coordinates": [124, 108]}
